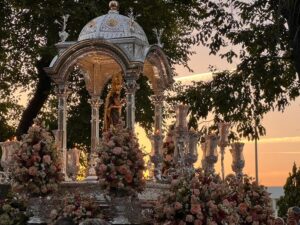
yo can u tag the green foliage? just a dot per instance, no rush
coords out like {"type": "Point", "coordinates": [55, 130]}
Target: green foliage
{"type": "Point", "coordinates": [291, 192]}
{"type": "Point", "coordinates": [13, 211]}
{"type": "Point", "coordinates": [255, 36]}
{"type": "Point", "coordinates": [260, 36]}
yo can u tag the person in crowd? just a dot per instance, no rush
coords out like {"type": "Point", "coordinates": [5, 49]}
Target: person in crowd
{"type": "Point", "coordinates": [293, 216]}
{"type": "Point", "coordinates": [279, 221]}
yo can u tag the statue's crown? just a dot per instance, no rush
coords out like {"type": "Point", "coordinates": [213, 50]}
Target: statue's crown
{"type": "Point", "coordinates": [117, 81]}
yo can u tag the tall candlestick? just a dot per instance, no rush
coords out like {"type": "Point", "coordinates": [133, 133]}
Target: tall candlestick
{"type": "Point", "coordinates": [211, 153]}
{"type": "Point", "coordinates": [238, 161]}
{"type": "Point", "coordinates": [223, 142]}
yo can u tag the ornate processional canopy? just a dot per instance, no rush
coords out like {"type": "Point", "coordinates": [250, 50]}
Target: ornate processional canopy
{"type": "Point", "coordinates": [111, 44]}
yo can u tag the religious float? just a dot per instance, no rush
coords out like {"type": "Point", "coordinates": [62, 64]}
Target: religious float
{"type": "Point", "coordinates": [114, 48]}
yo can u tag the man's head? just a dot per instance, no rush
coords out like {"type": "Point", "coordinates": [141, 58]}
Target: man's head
{"type": "Point", "coordinates": [296, 211]}
{"type": "Point", "coordinates": [293, 215]}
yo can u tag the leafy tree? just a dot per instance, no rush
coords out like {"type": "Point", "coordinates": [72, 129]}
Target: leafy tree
{"type": "Point", "coordinates": [262, 38]}
{"type": "Point", "coordinates": [29, 34]}
{"type": "Point", "coordinates": [291, 192]}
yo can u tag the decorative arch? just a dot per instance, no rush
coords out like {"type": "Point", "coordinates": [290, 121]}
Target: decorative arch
{"type": "Point", "coordinates": [157, 69]}
{"type": "Point", "coordinates": [64, 64]}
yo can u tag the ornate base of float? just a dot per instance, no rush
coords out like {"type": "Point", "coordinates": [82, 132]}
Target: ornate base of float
{"type": "Point", "coordinates": [119, 210]}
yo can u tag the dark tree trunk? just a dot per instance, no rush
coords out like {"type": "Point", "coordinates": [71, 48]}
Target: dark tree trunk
{"type": "Point", "coordinates": [40, 97]}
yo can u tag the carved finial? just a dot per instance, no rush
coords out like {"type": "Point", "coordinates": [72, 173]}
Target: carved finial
{"type": "Point", "coordinates": [158, 34]}
{"type": "Point", "coordinates": [63, 35]}
{"type": "Point", "coordinates": [114, 5]}
{"type": "Point", "coordinates": [132, 18]}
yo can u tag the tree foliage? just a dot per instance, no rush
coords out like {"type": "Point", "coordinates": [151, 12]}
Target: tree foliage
{"type": "Point", "coordinates": [291, 192]}
{"type": "Point", "coordinates": [259, 37]}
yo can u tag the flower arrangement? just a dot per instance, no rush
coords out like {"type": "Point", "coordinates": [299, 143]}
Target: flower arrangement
{"type": "Point", "coordinates": [121, 164]}
{"type": "Point", "coordinates": [252, 200]}
{"type": "Point", "coordinates": [37, 168]}
{"type": "Point", "coordinates": [196, 199]}
{"type": "Point", "coordinates": [13, 211]}
{"type": "Point", "coordinates": [207, 200]}
{"type": "Point", "coordinates": [76, 207]}
{"type": "Point", "coordinates": [168, 152]}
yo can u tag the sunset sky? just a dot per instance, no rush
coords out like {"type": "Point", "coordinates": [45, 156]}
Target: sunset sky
{"type": "Point", "coordinates": [279, 149]}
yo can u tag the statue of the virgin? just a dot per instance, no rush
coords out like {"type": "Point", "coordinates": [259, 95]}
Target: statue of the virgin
{"type": "Point", "coordinates": [113, 103]}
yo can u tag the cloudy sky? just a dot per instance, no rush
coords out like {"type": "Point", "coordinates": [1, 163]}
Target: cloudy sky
{"type": "Point", "coordinates": [279, 149]}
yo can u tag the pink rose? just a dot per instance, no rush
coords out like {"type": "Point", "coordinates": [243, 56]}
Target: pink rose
{"type": "Point", "coordinates": [35, 158]}
{"type": "Point", "coordinates": [194, 199]}
{"type": "Point", "coordinates": [52, 169]}
{"type": "Point", "coordinates": [117, 150]}
{"type": "Point", "coordinates": [196, 192]}
{"type": "Point", "coordinates": [249, 219]}
{"type": "Point", "coordinates": [37, 147]}
{"type": "Point", "coordinates": [178, 206]}
{"type": "Point", "coordinates": [24, 156]}
{"type": "Point", "coordinates": [47, 159]}
{"type": "Point", "coordinates": [129, 163]}
{"type": "Point", "coordinates": [128, 178]}
{"type": "Point", "coordinates": [197, 222]}
{"type": "Point", "coordinates": [189, 218]}
{"type": "Point", "coordinates": [102, 168]}
{"type": "Point", "coordinates": [195, 209]}
{"type": "Point", "coordinates": [32, 171]}
{"type": "Point", "coordinates": [122, 169]}
{"type": "Point", "coordinates": [174, 183]}
{"type": "Point", "coordinates": [169, 158]}
{"type": "Point", "coordinates": [181, 222]}
{"type": "Point", "coordinates": [168, 211]}
{"type": "Point", "coordinates": [243, 208]}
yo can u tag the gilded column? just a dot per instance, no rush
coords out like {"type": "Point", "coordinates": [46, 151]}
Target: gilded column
{"type": "Point", "coordinates": [62, 95]}
{"type": "Point", "coordinates": [157, 137]}
{"type": "Point", "coordinates": [158, 101]}
{"type": "Point", "coordinates": [95, 103]}
{"type": "Point", "coordinates": [131, 88]}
